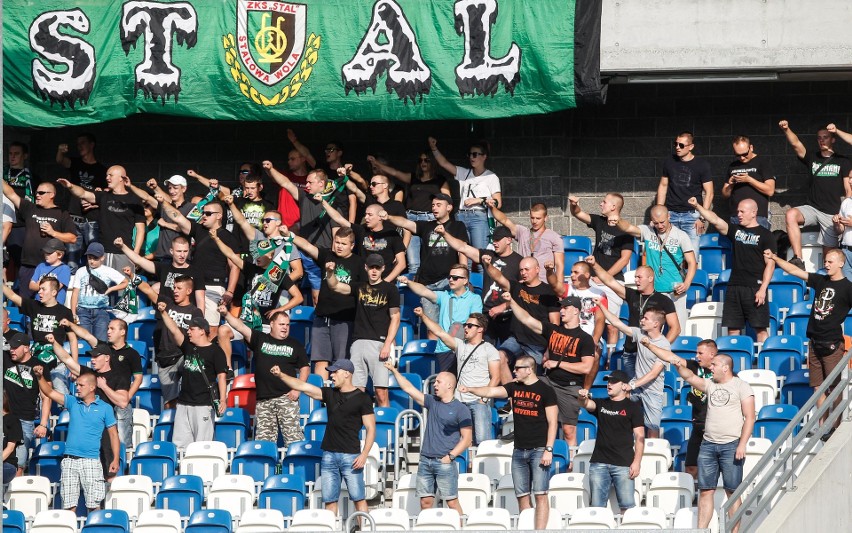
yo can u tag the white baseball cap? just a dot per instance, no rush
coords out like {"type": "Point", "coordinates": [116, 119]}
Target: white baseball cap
{"type": "Point", "coordinates": [177, 179]}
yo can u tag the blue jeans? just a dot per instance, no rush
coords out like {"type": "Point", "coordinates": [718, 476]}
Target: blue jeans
{"type": "Point", "coordinates": [602, 477]}
{"type": "Point", "coordinates": [95, 321]}
{"type": "Point", "coordinates": [762, 221]}
{"type": "Point", "coordinates": [124, 421]}
{"type": "Point", "coordinates": [628, 363]}
{"type": "Point", "coordinates": [87, 233]}
{"type": "Point", "coordinates": [686, 222]}
{"type": "Point", "coordinates": [847, 266]}
{"type": "Point", "coordinates": [313, 275]}
{"type": "Point", "coordinates": [432, 474]}
{"type": "Point", "coordinates": [22, 451]}
{"type": "Point", "coordinates": [514, 349]}
{"type": "Point", "coordinates": [713, 458]}
{"type": "Point", "coordinates": [412, 254]}
{"type": "Point", "coordinates": [59, 378]}
{"type": "Point", "coordinates": [337, 467]}
{"type": "Point", "coordinates": [477, 226]}
{"type": "Point", "coordinates": [480, 413]}
{"type": "Point", "coordinates": [528, 473]}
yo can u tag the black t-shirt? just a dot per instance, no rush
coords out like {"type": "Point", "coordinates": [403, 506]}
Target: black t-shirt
{"type": "Point", "coordinates": [348, 270]}
{"type": "Point", "coordinates": [637, 303]}
{"type": "Point", "coordinates": [696, 398]}
{"type": "Point", "coordinates": [832, 301]}
{"type": "Point", "coordinates": [528, 407]}
{"type": "Point", "coordinates": [436, 256]}
{"type": "Point", "coordinates": [12, 432]}
{"type": "Point", "coordinates": [387, 243]}
{"type": "Point", "coordinates": [209, 359]}
{"type": "Point", "coordinates": [826, 175]}
{"type": "Point", "coordinates": [118, 215]}
{"type": "Point", "coordinates": [181, 314]}
{"type": "Point", "coordinates": [748, 245]}
{"type": "Point", "coordinates": [372, 312]}
{"type": "Point", "coordinates": [314, 228]}
{"type": "Point", "coordinates": [215, 264]}
{"type": "Point", "coordinates": [509, 266]}
{"type": "Point", "coordinates": [87, 175]}
{"type": "Point", "coordinates": [569, 345]}
{"type": "Point", "coordinates": [288, 354]}
{"type": "Point", "coordinates": [127, 360]}
{"type": "Point", "coordinates": [609, 243]}
{"type": "Point", "coordinates": [19, 382]}
{"type": "Point", "coordinates": [266, 299]}
{"type": "Point", "coordinates": [166, 274]}
{"type": "Point", "coordinates": [116, 379]}
{"type": "Point", "coordinates": [345, 412]}
{"type": "Point", "coordinates": [686, 180]}
{"type": "Point", "coordinates": [253, 211]}
{"type": "Point", "coordinates": [420, 193]}
{"type": "Point", "coordinates": [757, 168]}
{"type": "Point", "coordinates": [538, 301]}
{"type": "Point", "coordinates": [44, 320]}
{"type": "Point", "coordinates": [32, 216]}
{"type": "Point", "coordinates": [616, 421]}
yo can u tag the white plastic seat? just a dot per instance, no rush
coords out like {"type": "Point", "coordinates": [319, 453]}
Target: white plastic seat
{"type": "Point", "coordinates": [373, 480]}
{"type": "Point", "coordinates": [496, 519]}
{"type": "Point", "coordinates": [705, 320]}
{"type": "Point", "coordinates": [158, 521]}
{"type": "Point", "coordinates": [583, 457]}
{"type": "Point", "coordinates": [141, 426]}
{"type": "Point", "coordinates": [437, 519]}
{"type": "Point", "coordinates": [29, 494]}
{"type": "Point", "coordinates": [568, 492]}
{"type": "Point", "coordinates": [644, 518]}
{"type": "Point", "coordinates": [233, 493]}
{"type": "Point", "coordinates": [687, 518]}
{"type": "Point", "coordinates": [133, 494]}
{"type": "Point", "coordinates": [504, 496]}
{"type": "Point", "coordinates": [58, 521]}
{"type": "Point", "coordinates": [755, 448]}
{"type": "Point", "coordinates": [656, 459]}
{"type": "Point", "coordinates": [671, 491]}
{"type": "Point", "coordinates": [592, 518]}
{"type": "Point", "coordinates": [205, 459]}
{"type": "Point", "coordinates": [493, 458]}
{"type": "Point", "coordinates": [474, 491]}
{"type": "Point", "coordinates": [313, 520]}
{"type": "Point", "coordinates": [526, 520]}
{"type": "Point", "coordinates": [405, 495]}
{"type": "Point", "coordinates": [391, 519]}
{"type": "Point", "coordinates": [764, 383]}
{"type": "Point", "coordinates": [261, 521]}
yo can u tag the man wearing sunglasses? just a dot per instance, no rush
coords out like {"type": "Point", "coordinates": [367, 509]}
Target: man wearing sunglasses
{"type": "Point", "coordinates": [176, 186]}
{"type": "Point", "coordinates": [43, 220]}
{"type": "Point", "coordinates": [685, 176]}
{"type": "Point", "coordinates": [749, 178]}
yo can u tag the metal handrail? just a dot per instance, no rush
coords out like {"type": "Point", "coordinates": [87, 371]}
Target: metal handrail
{"type": "Point", "coordinates": [778, 466]}
{"type": "Point", "coordinates": [406, 414]}
{"type": "Point", "coordinates": [357, 514]}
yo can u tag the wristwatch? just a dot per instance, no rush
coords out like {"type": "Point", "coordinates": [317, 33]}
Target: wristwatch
{"type": "Point", "coordinates": [548, 449]}
{"type": "Point", "coordinates": [451, 456]}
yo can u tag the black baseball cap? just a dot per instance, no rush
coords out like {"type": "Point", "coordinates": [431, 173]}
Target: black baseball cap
{"type": "Point", "coordinates": [501, 233]}
{"type": "Point", "coordinates": [571, 301]}
{"type": "Point", "coordinates": [374, 260]}
{"type": "Point", "coordinates": [445, 197]}
{"type": "Point", "coordinates": [199, 322]}
{"type": "Point", "coordinates": [617, 376]}
{"type": "Point", "coordinates": [19, 339]}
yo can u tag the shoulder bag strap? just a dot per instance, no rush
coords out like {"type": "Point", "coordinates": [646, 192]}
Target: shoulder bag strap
{"type": "Point", "coordinates": [466, 359]}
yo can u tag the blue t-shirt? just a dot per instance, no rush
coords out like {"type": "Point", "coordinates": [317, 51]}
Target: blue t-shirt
{"type": "Point", "coordinates": [443, 426]}
{"type": "Point", "coordinates": [463, 306]}
{"type": "Point", "coordinates": [62, 272]}
{"type": "Point", "coordinates": [86, 426]}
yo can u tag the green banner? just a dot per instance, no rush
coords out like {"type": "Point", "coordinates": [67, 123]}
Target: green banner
{"type": "Point", "coordinates": [326, 60]}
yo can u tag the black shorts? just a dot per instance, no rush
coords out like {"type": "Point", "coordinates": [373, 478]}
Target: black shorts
{"type": "Point", "coordinates": [740, 308]}
{"type": "Point", "coordinates": [694, 445]}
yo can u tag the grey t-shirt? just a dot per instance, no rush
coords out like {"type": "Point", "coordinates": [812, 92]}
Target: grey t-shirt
{"type": "Point", "coordinates": [645, 361]}
{"type": "Point", "coordinates": [724, 410]}
{"type": "Point", "coordinates": [475, 372]}
{"type": "Point", "coordinates": [443, 426]}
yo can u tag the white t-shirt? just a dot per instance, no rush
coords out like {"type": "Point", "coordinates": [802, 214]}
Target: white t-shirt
{"type": "Point", "coordinates": [587, 313]}
{"type": "Point", "coordinates": [470, 186]}
{"type": "Point", "coordinates": [475, 372]}
{"type": "Point", "coordinates": [89, 298]}
{"type": "Point", "coordinates": [846, 211]}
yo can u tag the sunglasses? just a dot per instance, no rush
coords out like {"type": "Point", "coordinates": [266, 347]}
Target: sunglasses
{"type": "Point", "coordinates": [39, 193]}
{"type": "Point", "coordinates": [475, 154]}
{"type": "Point", "coordinates": [472, 326]}
{"type": "Point", "coordinates": [455, 278]}
{"type": "Point", "coordinates": [330, 150]}
{"type": "Point", "coordinates": [210, 213]}
{"type": "Point", "coordinates": [269, 220]}
{"type": "Point", "coordinates": [680, 145]}
{"type": "Point", "coordinates": [742, 155]}
{"type": "Point", "coordinates": [376, 183]}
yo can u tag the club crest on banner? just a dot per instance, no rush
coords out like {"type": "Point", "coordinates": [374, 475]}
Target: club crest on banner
{"type": "Point", "coordinates": [270, 57]}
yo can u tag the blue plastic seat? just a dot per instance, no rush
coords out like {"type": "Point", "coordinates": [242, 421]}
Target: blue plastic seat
{"type": "Point", "coordinates": [685, 346]}
{"type": "Point", "coordinates": [577, 243]}
{"type": "Point", "coordinates": [399, 399]}
{"type": "Point", "coordinates": [155, 459]}
{"type": "Point", "coordinates": [714, 252]}
{"type": "Point", "coordinates": [307, 404]}
{"type": "Point", "coordinates": [561, 457]}
{"type": "Point", "coordinates": [149, 396]}
{"type": "Point", "coordinates": [740, 348]}
{"type": "Point", "coordinates": [404, 334]}
{"type": "Point", "coordinates": [60, 430]}
{"type": "Point", "coordinates": [699, 289]}
{"type": "Point", "coordinates": [107, 521]}
{"type": "Point", "coordinates": [285, 492]}
{"type": "Point", "coordinates": [785, 290]}
{"type": "Point", "coordinates": [797, 389]}
{"type": "Point", "coordinates": [773, 419]}
{"type": "Point", "coordinates": [255, 458]}
{"type": "Point", "coordinates": [796, 321]}
{"type": "Point", "coordinates": [47, 459]}
{"type": "Point", "coordinates": [14, 521]}
{"type": "Point", "coordinates": [315, 428]}
{"type": "Point", "coordinates": [165, 426]}
{"type": "Point", "coordinates": [677, 432]}
{"type": "Point", "coordinates": [386, 430]}
{"type": "Point", "coordinates": [141, 348]}
{"type": "Point", "coordinates": [209, 521]}
{"type": "Point", "coordinates": [232, 427]}
{"type": "Point", "coordinates": [587, 426]}
{"type": "Point", "coordinates": [184, 494]}
{"type": "Point", "coordinates": [721, 285]}
{"type": "Point", "coordinates": [301, 321]}
{"type": "Point", "coordinates": [418, 357]}
{"type": "Point", "coordinates": [303, 459]}
{"type": "Point", "coordinates": [677, 412]}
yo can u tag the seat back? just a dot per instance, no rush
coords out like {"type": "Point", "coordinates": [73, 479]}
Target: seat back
{"type": "Point", "coordinates": [29, 494]}
{"type": "Point", "coordinates": [261, 520]}
{"type": "Point", "coordinates": [158, 521]}
{"type": "Point", "coordinates": [209, 521]}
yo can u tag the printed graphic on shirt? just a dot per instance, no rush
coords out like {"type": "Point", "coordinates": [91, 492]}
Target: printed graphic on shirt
{"type": "Point", "coordinates": [181, 319]}
{"type": "Point", "coordinates": [20, 375]}
{"type": "Point", "coordinates": [720, 397]}
{"type": "Point", "coordinates": [369, 297]}
{"type": "Point", "coordinates": [824, 303]}
{"type": "Point", "coordinates": [564, 345]}
{"type": "Point", "coordinates": [277, 350]}
{"type": "Point", "coordinates": [526, 403]}
{"type": "Point", "coordinates": [827, 171]}
{"type": "Point", "coordinates": [747, 238]}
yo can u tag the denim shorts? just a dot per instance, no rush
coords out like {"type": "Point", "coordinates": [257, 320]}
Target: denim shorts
{"type": "Point", "coordinates": [528, 473]}
{"type": "Point", "coordinates": [313, 275]}
{"type": "Point", "coordinates": [337, 467]}
{"type": "Point", "coordinates": [433, 474]}
{"type": "Point", "coordinates": [603, 476]}
{"type": "Point", "coordinates": [514, 349]}
{"type": "Point", "coordinates": [713, 458]}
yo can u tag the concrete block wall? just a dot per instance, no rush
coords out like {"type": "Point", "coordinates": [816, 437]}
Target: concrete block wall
{"type": "Point", "coordinates": [586, 152]}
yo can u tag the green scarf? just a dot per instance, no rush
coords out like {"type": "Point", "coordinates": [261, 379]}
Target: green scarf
{"type": "Point", "coordinates": [195, 214]}
{"type": "Point", "coordinates": [271, 278]}
{"type": "Point", "coordinates": [332, 189]}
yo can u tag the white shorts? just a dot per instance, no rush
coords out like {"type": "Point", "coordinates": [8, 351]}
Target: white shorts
{"type": "Point", "coordinates": [212, 296]}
